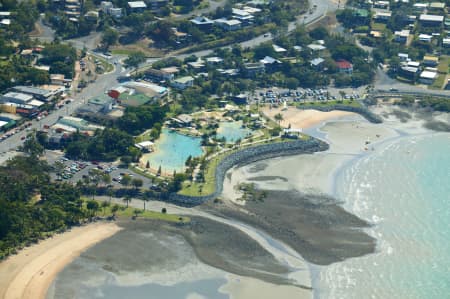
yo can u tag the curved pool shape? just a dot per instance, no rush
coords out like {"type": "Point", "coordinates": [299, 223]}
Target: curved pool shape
{"type": "Point", "coordinates": [171, 151]}
{"type": "Point", "coordinates": [232, 131]}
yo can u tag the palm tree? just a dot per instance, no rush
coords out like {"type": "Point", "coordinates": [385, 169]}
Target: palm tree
{"type": "Point", "coordinates": [59, 167]}
{"type": "Point", "coordinates": [110, 193]}
{"type": "Point", "coordinates": [137, 183]}
{"type": "Point", "coordinates": [342, 94]}
{"type": "Point", "coordinates": [114, 209]}
{"type": "Point", "coordinates": [105, 204]}
{"type": "Point", "coordinates": [145, 197]}
{"type": "Point", "coordinates": [127, 199]}
{"type": "Point", "coordinates": [278, 117]}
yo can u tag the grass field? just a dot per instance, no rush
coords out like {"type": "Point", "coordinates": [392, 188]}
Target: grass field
{"type": "Point", "coordinates": [378, 26]}
{"type": "Point", "coordinates": [129, 212]}
{"type": "Point", "coordinates": [438, 83]}
{"type": "Point", "coordinates": [444, 62]}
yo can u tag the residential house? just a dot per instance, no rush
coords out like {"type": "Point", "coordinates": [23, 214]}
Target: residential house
{"type": "Point", "coordinates": [279, 49]}
{"type": "Point", "coordinates": [158, 75]}
{"type": "Point", "coordinates": [105, 6]}
{"type": "Point", "coordinates": [382, 16]}
{"type": "Point", "coordinates": [317, 63]}
{"type": "Point", "coordinates": [57, 79]}
{"type": "Point", "coordinates": [213, 60]}
{"type": "Point", "coordinates": [403, 56]}
{"type": "Point", "coordinates": [228, 25]}
{"type": "Point", "coordinates": [409, 72]}
{"type": "Point", "coordinates": [431, 20]}
{"type": "Point", "coordinates": [252, 69]}
{"type": "Point", "coordinates": [202, 22]}
{"type": "Point", "coordinates": [115, 12]}
{"type": "Point", "coordinates": [425, 38]}
{"type": "Point", "coordinates": [420, 7]}
{"type": "Point", "coordinates": [198, 65]}
{"type": "Point", "coordinates": [429, 60]}
{"type": "Point", "coordinates": [157, 5]}
{"type": "Point", "coordinates": [242, 15]}
{"type": "Point", "coordinates": [183, 82]}
{"type": "Point", "coordinates": [137, 6]}
{"type": "Point", "coordinates": [401, 36]}
{"type": "Point", "coordinates": [446, 42]}
{"type": "Point", "coordinates": [315, 48]}
{"type": "Point", "coordinates": [427, 77]}
{"type": "Point", "coordinates": [436, 7]}
{"type": "Point", "coordinates": [381, 4]}
{"type": "Point", "coordinates": [270, 63]}
{"type": "Point", "coordinates": [344, 66]}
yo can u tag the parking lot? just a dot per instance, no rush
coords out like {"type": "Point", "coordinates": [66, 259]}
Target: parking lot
{"type": "Point", "coordinates": [74, 171]}
{"type": "Point", "coordinates": [277, 96]}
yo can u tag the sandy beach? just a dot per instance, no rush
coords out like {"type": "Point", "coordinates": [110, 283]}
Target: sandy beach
{"type": "Point", "coordinates": [29, 274]}
{"type": "Point", "coordinates": [301, 119]}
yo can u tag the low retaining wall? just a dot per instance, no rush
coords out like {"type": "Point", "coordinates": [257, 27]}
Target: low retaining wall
{"type": "Point", "coordinates": [373, 118]}
{"type": "Point", "coordinates": [249, 155]}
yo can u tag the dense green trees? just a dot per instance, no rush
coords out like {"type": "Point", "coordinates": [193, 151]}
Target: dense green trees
{"type": "Point", "coordinates": [106, 145]}
{"type": "Point", "coordinates": [31, 206]}
{"type": "Point", "coordinates": [138, 119]}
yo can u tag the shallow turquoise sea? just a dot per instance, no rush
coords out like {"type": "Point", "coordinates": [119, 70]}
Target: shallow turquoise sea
{"type": "Point", "coordinates": [403, 189]}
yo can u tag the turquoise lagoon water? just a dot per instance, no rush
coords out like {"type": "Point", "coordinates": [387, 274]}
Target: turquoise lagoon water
{"type": "Point", "coordinates": [232, 131]}
{"type": "Point", "coordinates": [404, 190]}
{"type": "Point", "coordinates": [172, 150]}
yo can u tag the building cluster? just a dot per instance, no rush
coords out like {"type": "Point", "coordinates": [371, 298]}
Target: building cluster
{"type": "Point", "coordinates": [242, 15]}
{"type": "Point", "coordinates": [5, 18]}
{"type": "Point", "coordinates": [424, 22]}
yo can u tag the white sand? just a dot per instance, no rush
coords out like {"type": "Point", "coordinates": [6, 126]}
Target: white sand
{"type": "Point", "coordinates": [29, 274]}
{"type": "Point", "coordinates": [239, 287]}
{"type": "Point", "coordinates": [301, 119]}
{"type": "Point", "coordinates": [313, 172]}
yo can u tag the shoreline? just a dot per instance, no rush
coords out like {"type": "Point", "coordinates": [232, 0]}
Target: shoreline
{"type": "Point", "coordinates": [30, 273]}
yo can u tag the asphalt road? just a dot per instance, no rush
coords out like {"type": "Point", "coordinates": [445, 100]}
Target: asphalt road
{"type": "Point", "coordinates": [102, 84]}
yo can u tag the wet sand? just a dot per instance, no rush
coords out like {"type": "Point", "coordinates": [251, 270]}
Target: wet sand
{"type": "Point", "coordinates": [29, 273]}
{"type": "Point", "coordinates": [201, 253]}
{"type": "Point", "coordinates": [300, 209]}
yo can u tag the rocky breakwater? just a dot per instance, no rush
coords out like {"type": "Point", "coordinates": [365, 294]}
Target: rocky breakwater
{"type": "Point", "coordinates": [249, 155]}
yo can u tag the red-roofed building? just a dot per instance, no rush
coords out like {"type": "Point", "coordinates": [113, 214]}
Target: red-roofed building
{"type": "Point", "coordinates": [344, 66]}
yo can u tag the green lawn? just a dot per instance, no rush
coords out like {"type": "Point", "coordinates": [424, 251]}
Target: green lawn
{"type": "Point", "coordinates": [443, 64]}
{"type": "Point", "coordinates": [122, 51]}
{"type": "Point", "coordinates": [378, 26]}
{"type": "Point", "coordinates": [208, 187]}
{"type": "Point", "coordinates": [130, 211]}
{"type": "Point", "coordinates": [438, 83]}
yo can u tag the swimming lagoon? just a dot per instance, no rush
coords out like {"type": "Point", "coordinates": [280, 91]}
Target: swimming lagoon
{"type": "Point", "coordinates": [171, 151]}
{"type": "Point", "coordinates": [232, 131]}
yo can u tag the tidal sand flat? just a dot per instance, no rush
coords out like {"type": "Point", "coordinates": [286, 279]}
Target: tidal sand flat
{"type": "Point", "coordinates": [151, 259]}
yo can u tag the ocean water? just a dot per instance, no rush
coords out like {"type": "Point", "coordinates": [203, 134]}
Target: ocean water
{"type": "Point", "coordinates": [404, 190]}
